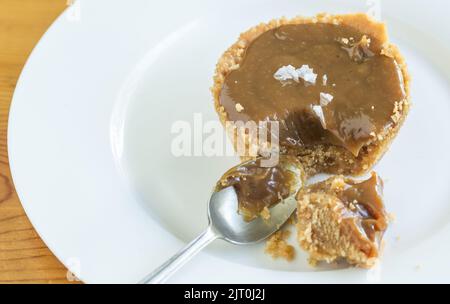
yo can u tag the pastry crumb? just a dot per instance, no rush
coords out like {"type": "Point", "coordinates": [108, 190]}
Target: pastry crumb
{"type": "Point", "coordinates": [265, 213]}
{"type": "Point", "coordinates": [277, 247]}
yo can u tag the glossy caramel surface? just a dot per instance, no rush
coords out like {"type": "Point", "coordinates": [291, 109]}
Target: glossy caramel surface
{"type": "Point", "coordinates": [349, 66]}
{"type": "Point", "coordinates": [364, 213]}
{"type": "Point", "coordinates": [366, 208]}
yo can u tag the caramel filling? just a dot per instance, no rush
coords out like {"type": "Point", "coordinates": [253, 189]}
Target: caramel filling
{"type": "Point", "coordinates": [364, 217]}
{"type": "Point", "coordinates": [325, 84]}
{"type": "Point", "coordinates": [258, 187]}
{"type": "Point", "coordinates": [365, 207]}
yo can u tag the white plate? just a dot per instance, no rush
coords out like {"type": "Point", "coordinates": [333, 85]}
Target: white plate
{"type": "Point", "coordinates": [89, 140]}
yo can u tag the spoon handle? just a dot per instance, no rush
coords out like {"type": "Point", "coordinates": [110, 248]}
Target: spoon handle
{"type": "Point", "coordinates": [163, 272]}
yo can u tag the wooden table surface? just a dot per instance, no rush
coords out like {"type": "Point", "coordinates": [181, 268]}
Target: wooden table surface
{"type": "Point", "coordinates": [24, 258]}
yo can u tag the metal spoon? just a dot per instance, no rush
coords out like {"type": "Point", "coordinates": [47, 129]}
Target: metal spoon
{"type": "Point", "coordinates": [225, 223]}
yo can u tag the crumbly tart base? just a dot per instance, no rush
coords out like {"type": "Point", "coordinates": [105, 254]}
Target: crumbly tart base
{"type": "Point", "coordinates": [322, 232]}
{"type": "Point", "coordinates": [321, 158]}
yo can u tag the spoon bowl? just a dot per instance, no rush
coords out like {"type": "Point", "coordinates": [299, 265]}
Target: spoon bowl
{"type": "Point", "coordinates": [230, 225]}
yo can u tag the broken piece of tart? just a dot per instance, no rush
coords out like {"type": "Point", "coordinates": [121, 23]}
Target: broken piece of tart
{"type": "Point", "coordinates": [338, 89]}
{"type": "Point", "coordinates": [341, 218]}
{"type": "Point", "coordinates": [260, 185]}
